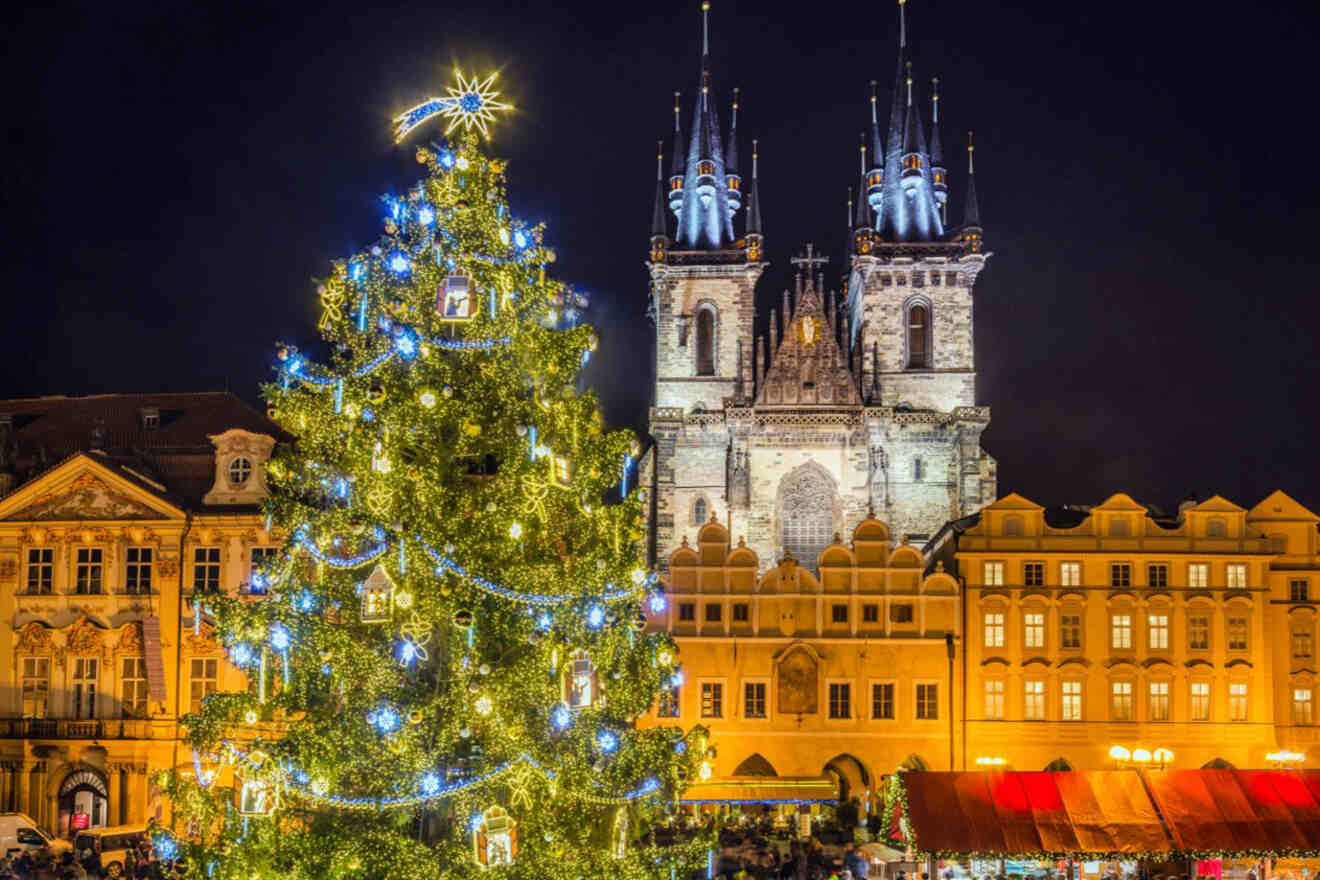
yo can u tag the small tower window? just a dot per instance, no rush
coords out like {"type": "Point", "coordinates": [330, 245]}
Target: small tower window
{"type": "Point", "coordinates": [912, 161]}
{"type": "Point", "coordinates": [699, 512]}
{"type": "Point", "coordinates": [706, 342]}
{"type": "Point", "coordinates": [918, 330]}
{"type": "Point", "coordinates": [239, 471]}
{"type": "Point", "coordinates": [918, 470]}
{"type": "Point", "coordinates": [706, 169]}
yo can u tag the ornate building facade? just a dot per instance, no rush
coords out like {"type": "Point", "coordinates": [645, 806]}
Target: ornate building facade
{"type": "Point", "coordinates": [845, 406]}
{"type": "Point", "coordinates": [114, 511]}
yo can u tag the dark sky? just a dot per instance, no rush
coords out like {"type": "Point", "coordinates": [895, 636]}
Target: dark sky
{"type": "Point", "coordinates": [177, 175]}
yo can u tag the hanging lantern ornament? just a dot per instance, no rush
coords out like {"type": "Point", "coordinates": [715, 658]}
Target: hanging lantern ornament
{"type": "Point", "coordinates": [494, 838]}
{"type": "Point", "coordinates": [463, 618]}
{"type": "Point", "coordinates": [376, 393]}
{"type": "Point", "coordinates": [455, 300]}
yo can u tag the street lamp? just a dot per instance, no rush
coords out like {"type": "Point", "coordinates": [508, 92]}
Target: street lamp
{"type": "Point", "coordinates": [1118, 753]}
{"type": "Point", "coordinates": [1284, 758]}
{"type": "Point", "coordinates": [1121, 755]}
{"type": "Point", "coordinates": [990, 761]}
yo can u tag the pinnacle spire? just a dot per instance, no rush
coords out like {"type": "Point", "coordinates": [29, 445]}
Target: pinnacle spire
{"type": "Point", "coordinates": [936, 151]}
{"type": "Point", "coordinates": [706, 211]}
{"type": "Point", "coordinates": [971, 210]}
{"type": "Point", "coordinates": [862, 219]}
{"type": "Point", "coordinates": [877, 150]}
{"type": "Point", "coordinates": [754, 195]}
{"type": "Point", "coordinates": [658, 223]}
{"type": "Point", "coordinates": [677, 166]}
{"type": "Point", "coordinates": [731, 159]}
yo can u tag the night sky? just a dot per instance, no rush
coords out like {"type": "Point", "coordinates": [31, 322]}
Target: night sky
{"type": "Point", "coordinates": [177, 176]}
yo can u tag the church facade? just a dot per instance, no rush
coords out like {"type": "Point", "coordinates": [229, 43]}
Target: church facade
{"type": "Point", "coordinates": [850, 407]}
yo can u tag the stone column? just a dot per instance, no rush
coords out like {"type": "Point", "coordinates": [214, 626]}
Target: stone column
{"type": "Point", "coordinates": [24, 771]}
{"type": "Point", "coordinates": [115, 809]}
{"type": "Point", "coordinates": [137, 797]}
{"type": "Point", "coordinates": [38, 798]}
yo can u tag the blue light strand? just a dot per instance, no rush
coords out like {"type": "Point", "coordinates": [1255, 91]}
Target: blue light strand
{"type": "Point", "coordinates": [347, 561]}
{"type": "Point", "coordinates": [445, 563]}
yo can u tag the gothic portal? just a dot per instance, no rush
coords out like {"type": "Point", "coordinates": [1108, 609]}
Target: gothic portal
{"type": "Point", "coordinates": [852, 405]}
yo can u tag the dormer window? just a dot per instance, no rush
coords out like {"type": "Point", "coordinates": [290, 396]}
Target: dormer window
{"type": "Point", "coordinates": [239, 470]}
{"type": "Point", "coordinates": [149, 417]}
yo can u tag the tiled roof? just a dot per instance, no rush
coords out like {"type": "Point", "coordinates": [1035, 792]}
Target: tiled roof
{"type": "Point", "coordinates": [177, 452]}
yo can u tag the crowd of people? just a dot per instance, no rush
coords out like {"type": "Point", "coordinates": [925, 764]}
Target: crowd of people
{"type": "Point", "coordinates": [140, 863]}
{"type": "Point", "coordinates": [804, 860]}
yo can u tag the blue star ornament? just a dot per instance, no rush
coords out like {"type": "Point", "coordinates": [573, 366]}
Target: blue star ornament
{"type": "Point", "coordinates": [472, 103]}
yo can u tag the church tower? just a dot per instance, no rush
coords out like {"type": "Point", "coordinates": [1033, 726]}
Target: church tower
{"type": "Point", "coordinates": [910, 310]}
{"type": "Point", "coordinates": [702, 302]}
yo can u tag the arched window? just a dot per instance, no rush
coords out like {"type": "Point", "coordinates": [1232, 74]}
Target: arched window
{"type": "Point", "coordinates": [918, 335]}
{"type": "Point", "coordinates": [699, 512]}
{"type": "Point", "coordinates": [806, 516]}
{"type": "Point", "coordinates": [706, 342]}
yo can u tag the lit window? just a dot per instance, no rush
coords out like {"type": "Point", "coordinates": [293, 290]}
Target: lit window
{"type": "Point", "coordinates": [1157, 627]}
{"type": "Point", "coordinates": [1198, 574]}
{"type": "Point", "coordinates": [1121, 632]}
{"type": "Point", "coordinates": [1071, 703]}
{"type": "Point", "coordinates": [754, 699]}
{"type": "Point", "coordinates": [840, 700]}
{"type": "Point", "coordinates": [36, 686]}
{"type": "Point", "coordinates": [928, 702]}
{"type": "Point", "coordinates": [1236, 575]}
{"type": "Point", "coordinates": [1159, 701]}
{"type": "Point", "coordinates": [239, 471]}
{"type": "Point", "coordinates": [1237, 701]}
{"type": "Point", "coordinates": [1198, 633]}
{"type": "Point", "coordinates": [137, 570]}
{"type": "Point", "coordinates": [994, 574]}
{"type": "Point", "coordinates": [40, 570]}
{"type": "Point", "coordinates": [882, 701]}
{"type": "Point", "coordinates": [994, 700]}
{"type": "Point", "coordinates": [87, 573]}
{"type": "Point", "coordinates": [133, 687]}
{"type": "Point", "coordinates": [712, 699]}
{"type": "Point", "coordinates": [1033, 630]}
{"type": "Point", "coordinates": [1302, 706]}
{"type": "Point", "coordinates": [994, 629]}
{"type": "Point", "coordinates": [1033, 701]}
{"type": "Point", "coordinates": [1120, 702]}
{"type": "Point", "coordinates": [1157, 576]}
{"type": "Point", "coordinates": [1070, 574]}
{"type": "Point", "coordinates": [1200, 701]}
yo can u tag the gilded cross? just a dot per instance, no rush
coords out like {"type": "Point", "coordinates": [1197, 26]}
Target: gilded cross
{"type": "Point", "coordinates": [811, 261]}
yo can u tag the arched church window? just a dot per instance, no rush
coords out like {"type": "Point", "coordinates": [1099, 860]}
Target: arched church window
{"type": "Point", "coordinates": [918, 333]}
{"type": "Point", "coordinates": [699, 512]}
{"type": "Point", "coordinates": [806, 517]}
{"type": "Point", "coordinates": [706, 342]}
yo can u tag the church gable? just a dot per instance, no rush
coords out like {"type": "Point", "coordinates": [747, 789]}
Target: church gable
{"type": "Point", "coordinates": [808, 368]}
{"type": "Point", "coordinates": [83, 489]}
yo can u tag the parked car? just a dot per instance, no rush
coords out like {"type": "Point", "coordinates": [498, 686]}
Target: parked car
{"type": "Point", "coordinates": [102, 850]}
{"type": "Point", "coordinates": [18, 834]}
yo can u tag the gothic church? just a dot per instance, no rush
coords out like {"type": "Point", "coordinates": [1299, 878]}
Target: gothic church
{"type": "Point", "coordinates": [851, 407]}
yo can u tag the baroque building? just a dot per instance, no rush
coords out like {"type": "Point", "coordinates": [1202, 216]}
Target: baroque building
{"type": "Point", "coordinates": [115, 510]}
{"type": "Point", "coordinates": [845, 407]}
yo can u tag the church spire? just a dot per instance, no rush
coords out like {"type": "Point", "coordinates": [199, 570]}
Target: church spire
{"type": "Point", "coordinates": [862, 219]}
{"type": "Point", "coordinates": [705, 219]}
{"type": "Point", "coordinates": [970, 234]}
{"type": "Point", "coordinates": [754, 208]}
{"type": "Point", "coordinates": [874, 183]}
{"type": "Point", "coordinates": [676, 166]}
{"type": "Point", "coordinates": [733, 181]}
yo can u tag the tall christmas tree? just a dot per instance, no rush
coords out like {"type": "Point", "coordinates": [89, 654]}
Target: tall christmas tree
{"type": "Point", "coordinates": [450, 656]}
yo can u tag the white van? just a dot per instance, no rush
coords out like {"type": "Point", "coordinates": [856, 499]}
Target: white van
{"type": "Point", "coordinates": [18, 834]}
{"type": "Point", "coordinates": [102, 850]}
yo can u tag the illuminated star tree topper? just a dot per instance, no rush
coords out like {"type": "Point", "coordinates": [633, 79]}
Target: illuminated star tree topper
{"type": "Point", "coordinates": [470, 104]}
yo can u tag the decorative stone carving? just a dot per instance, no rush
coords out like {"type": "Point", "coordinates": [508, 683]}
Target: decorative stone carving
{"type": "Point", "coordinates": [85, 637]}
{"type": "Point", "coordinates": [130, 639]}
{"type": "Point", "coordinates": [798, 682]}
{"type": "Point", "coordinates": [88, 497]}
{"type": "Point", "coordinates": [230, 447]}
{"type": "Point", "coordinates": [8, 570]}
{"type": "Point", "coordinates": [34, 638]}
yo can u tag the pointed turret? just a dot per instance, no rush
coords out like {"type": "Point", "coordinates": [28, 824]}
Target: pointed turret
{"type": "Point", "coordinates": [705, 219]}
{"type": "Point", "coordinates": [863, 226]}
{"type": "Point", "coordinates": [914, 138]}
{"type": "Point", "coordinates": [939, 175]}
{"type": "Point", "coordinates": [970, 234]}
{"type": "Point", "coordinates": [875, 176]}
{"type": "Point", "coordinates": [659, 225]}
{"type": "Point", "coordinates": [732, 179]}
{"type": "Point", "coordinates": [676, 168]}
{"type": "Point", "coordinates": [754, 209]}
